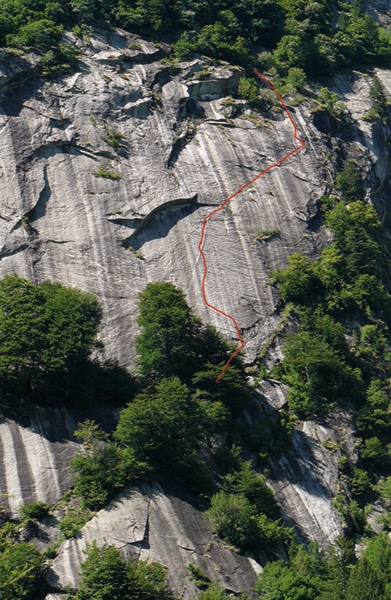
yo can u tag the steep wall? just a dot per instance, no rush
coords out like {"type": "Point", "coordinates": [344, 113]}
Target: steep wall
{"type": "Point", "coordinates": [182, 156]}
{"type": "Point", "coordinates": [147, 523]}
{"type": "Point", "coordinates": [183, 152]}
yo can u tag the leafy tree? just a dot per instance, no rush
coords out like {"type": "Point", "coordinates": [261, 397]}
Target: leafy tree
{"type": "Point", "coordinates": [102, 468]}
{"type": "Point", "coordinates": [349, 182]}
{"type": "Point", "coordinates": [233, 518]}
{"type": "Point", "coordinates": [44, 328]}
{"type": "Point", "coordinates": [299, 281]}
{"type": "Point", "coordinates": [232, 390]}
{"type": "Point", "coordinates": [105, 575]}
{"type": "Point", "coordinates": [253, 487]}
{"type": "Point", "coordinates": [162, 428]}
{"type": "Point", "coordinates": [168, 330]}
{"type": "Point", "coordinates": [317, 374]}
{"type": "Point", "coordinates": [279, 582]}
{"type": "Point", "coordinates": [21, 572]}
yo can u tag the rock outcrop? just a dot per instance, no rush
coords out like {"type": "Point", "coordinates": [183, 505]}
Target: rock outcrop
{"type": "Point", "coordinates": [147, 523]}
{"type": "Point", "coordinates": [106, 175]}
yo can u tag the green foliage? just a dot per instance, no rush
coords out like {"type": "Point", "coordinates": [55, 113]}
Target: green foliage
{"type": "Point", "coordinates": [115, 139]}
{"type": "Point", "coordinates": [266, 234]}
{"type": "Point", "coordinates": [299, 282]}
{"type": "Point", "coordinates": [34, 510]}
{"type": "Point", "coordinates": [231, 391]}
{"type": "Point", "coordinates": [173, 340]}
{"type": "Point", "coordinates": [105, 575]}
{"type": "Point", "coordinates": [245, 514]}
{"type": "Point", "coordinates": [317, 375]}
{"type": "Point", "coordinates": [310, 36]}
{"type": "Point", "coordinates": [103, 468]}
{"type": "Point", "coordinates": [106, 173]}
{"type": "Point", "coordinates": [380, 106]}
{"type": "Point", "coordinates": [329, 101]}
{"type": "Point", "coordinates": [360, 484]}
{"type": "Point", "coordinates": [21, 572]}
{"type": "Point", "coordinates": [197, 577]}
{"type": "Point", "coordinates": [162, 428]}
{"type": "Point", "coordinates": [41, 34]}
{"type": "Point", "coordinates": [166, 344]}
{"type": "Point", "coordinates": [233, 518]}
{"type": "Point", "coordinates": [334, 574]}
{"type": "Point", "coordinates": [253, 487]}
{"type": "Point", "coordinates": [345, 281]}
{"type": "Point", "coordinates": [370, 579]}
{"type": "Point", "coordinates": [74, 520]}
{"type": "Point", "coordinates": [46, 330]}
{"type": "Point", "coordinates": [349, 182]}
{"type": "Point", "coordinates": [249, 90]}
{"type": "Point", "coordinates": [214, 592]}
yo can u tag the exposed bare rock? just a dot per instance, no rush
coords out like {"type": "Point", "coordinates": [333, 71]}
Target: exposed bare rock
{"type": "Point", "coordinates": [175, 147]}
{"type": "Point", "coordinates": [108, 220]}
{"type": "Point", "coordinates": [306, 480]}
{"type": "Point", "coordinates": [146, 523]}
{"type": "Point", "coordinates": [34, 461]}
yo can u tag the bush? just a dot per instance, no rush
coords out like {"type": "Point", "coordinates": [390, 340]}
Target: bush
{"type": "Point", "coordinates": [101, 467]}
{"type": "Point", "coordinates": [299, 281]}
{"type": "Point", "coordinates": [162, 428]}
{"type": "Point", "coordinates": [105, 575]}
{"type": "Point", "coordinates": [233, 518]}
{"type": "Point", "coordinates": [74, 520]}
{"type": "Point", "coordinates": [34, 510]}
{"type": "Point", "coordinates": [249, 90]}
{"type": "Point", "coordinates": [349, 182]}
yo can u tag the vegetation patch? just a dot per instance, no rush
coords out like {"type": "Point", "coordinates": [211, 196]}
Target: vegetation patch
{"type": "Point", "coordinates": [266, 234]}
{"type": "Point", "coordinates": [106, 173]}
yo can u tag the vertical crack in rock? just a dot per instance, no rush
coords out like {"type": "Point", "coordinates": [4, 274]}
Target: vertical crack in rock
{"type": "Point", "coordinates": [39, 210]}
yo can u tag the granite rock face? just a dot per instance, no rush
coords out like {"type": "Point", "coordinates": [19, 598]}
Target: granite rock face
{"type": "Point", "coordinates": [146, 523]}
{"type": "Point", "coordinates": [106, 175]}
{"type": "Point", "coordinates": [178, 156]}
{"type": "Point", "coordinates": [34, 460]}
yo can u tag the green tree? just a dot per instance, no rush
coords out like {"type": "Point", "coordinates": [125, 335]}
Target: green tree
{"type": "Point", "coordinates": [105, 575]}
{"type": "Point", "coordinates": [233, 518]}
{"type": "Point", "coordinates": [168, 330]}
{"type": "Point", "coordinates": [349, 182]}
{"type": "Point", "coordinates": [253, 487]}
{"type": "Point", "coordinates": [102, 468]}
{"type": "Point", "coordinates": [162, 428]}
{"type": "Point", "coordinates": [299, 281]}
{"type": "Point", "coordinates": [21, 572]}
{"type": "Point", "coordinates": [280, 582]}
{"type": "Point", "coordinates": [317, 375]}
{"type": "Point", "coordinates": [44, 329]}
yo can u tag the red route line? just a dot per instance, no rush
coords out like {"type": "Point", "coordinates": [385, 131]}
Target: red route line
{"type": "Point", "coordinates": [210, 215]}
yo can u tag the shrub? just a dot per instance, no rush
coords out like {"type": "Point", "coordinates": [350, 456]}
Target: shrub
{"type": "Point", "coordinates": [162, 428]}
{"type": "Point", "coordinates": [233, 518]}
{"type": "Point", "coordinates": [349, 182]}
{"type": "Point", "coordinates": [74, 520]}
{"type": "Point", "coordinates": [249, 90]}
{"type": "Point", "coordinates": [106, 174]}
{"type": "Point", "coordinates": [34, 510]}
{"type": "Point", "coordinates": [299, 281]}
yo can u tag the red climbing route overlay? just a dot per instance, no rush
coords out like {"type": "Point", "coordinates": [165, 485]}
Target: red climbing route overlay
{"type": "Point", "coordinates": [210, 215]}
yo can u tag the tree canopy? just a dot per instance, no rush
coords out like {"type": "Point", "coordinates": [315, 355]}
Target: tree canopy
{"type": "Point", "coordinates": [44, 329]}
